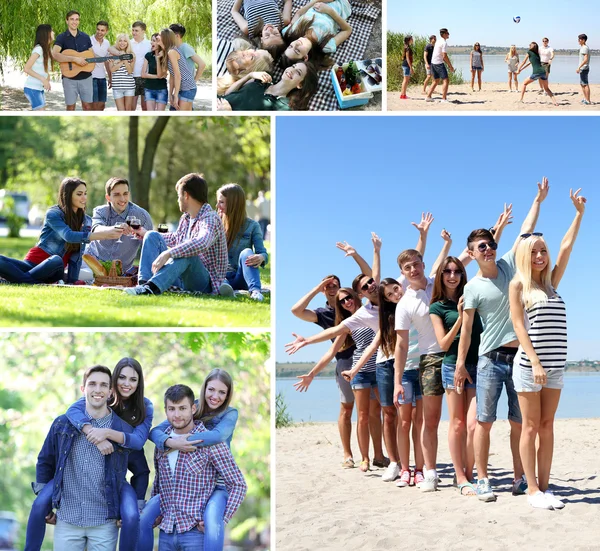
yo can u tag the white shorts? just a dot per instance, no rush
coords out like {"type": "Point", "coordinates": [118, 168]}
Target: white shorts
{"type": "Point", "coordinates": [523, 378]}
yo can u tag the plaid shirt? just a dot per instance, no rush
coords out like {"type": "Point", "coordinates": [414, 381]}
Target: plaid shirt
{"type": "Point", "coordinates": [183, 496]}
{"type": "Point", "coordinates": [206, 239]}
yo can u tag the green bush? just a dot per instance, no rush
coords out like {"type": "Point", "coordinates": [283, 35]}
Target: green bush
{"type": "Point", "coordinates": [13, 221]}
{"type": "Point", "coordinates": [395, 49]}
{"type": "Point", "coordinates": [282, 417]}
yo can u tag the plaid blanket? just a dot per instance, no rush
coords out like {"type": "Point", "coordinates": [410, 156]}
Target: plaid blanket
{"type": "Point", "coordinates": [362, 19]}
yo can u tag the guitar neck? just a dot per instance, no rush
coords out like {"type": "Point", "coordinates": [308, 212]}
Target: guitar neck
{"type": "Point", "coordinates": [101, 59]}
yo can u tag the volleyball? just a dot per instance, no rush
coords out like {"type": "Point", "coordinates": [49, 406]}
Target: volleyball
{"type": "Point", "coordinates": [517, 19]}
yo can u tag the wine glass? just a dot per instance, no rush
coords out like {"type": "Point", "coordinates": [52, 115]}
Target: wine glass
{"type": "Point", "coordinates": [119, 226]}
{"type": "Point", "coordinates": [135, 224]}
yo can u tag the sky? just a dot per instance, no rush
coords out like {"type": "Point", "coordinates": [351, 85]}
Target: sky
{"type": "Point", "coordinates": [340, 178]}
{"type": "Point", "coordinates": [491, 23]}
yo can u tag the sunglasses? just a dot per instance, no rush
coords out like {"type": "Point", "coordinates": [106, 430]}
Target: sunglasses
{"type": "Point", "coordinates": [346, 298]}
{"type": "Point", "coordinates": [483, 246]}
{"type": "Point", "coordinates": [526, 235]}
{"type": "Point", "coordinates": [452, 272]}
{"type": "Point", "coordinates": [367, 284]}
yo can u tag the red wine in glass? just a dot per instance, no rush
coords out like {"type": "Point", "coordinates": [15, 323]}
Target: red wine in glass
{"type": "Point", "coordinates": [163, 228]}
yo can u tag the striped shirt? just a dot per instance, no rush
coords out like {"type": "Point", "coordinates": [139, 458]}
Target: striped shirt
{"type": "Point", "coordinates": [224, 48]}
{"type": "Point", "coordinates": [548, 333]}
{"type": "Point", "coordinates": [187, 78]}
{"type": "Point", "coordinates": [122, 80]}
{"type": "Point", "coordinates": [267, 10]}
{"type": "Point", "coordinates": [363, 337]}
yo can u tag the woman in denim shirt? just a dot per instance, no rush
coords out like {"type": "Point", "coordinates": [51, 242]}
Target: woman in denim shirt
{"type": "Point", "coordinates": [220, 420]}
{"type": "Point", "coordinates": [131, 406]}
{"type": "Point", "coordinates": [245, 247]}
{"type": "Point", "coordinates": [64, 234]}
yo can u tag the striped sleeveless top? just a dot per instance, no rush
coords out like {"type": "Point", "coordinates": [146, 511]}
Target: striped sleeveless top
{"type": "Point", "coordinates": [122, 80]}
{"type": "Point", "coordinates": [548, 334]}
{"type": "Point", "coordinates": [363, 337]}
{"type": "Point", "coordinates": [187, 78]}
{"type": "Point", "coordinates": [267, 10]}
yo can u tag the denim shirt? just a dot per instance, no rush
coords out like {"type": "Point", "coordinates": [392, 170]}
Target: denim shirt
{"type": "Point", "coordinates": [53, 457]}
{"type": "Point", "coordinates": [134, 440]}
{"type": "Point", "coordinates": [249, 237]}
{"type": "Point", "coordinates": [220, 429]}
{"type": "Point", "coordinates": [56, 234]}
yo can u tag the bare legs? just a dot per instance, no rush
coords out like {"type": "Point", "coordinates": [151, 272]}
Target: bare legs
{"type": "Point", "coordinates": [375, 427]}
{"type": "Point", "coordinates": [410, 415]}
{"type": "Point", "coordinates": [432, 411]}
{"type": "Point", "coordinates": [390, 417]}
{"type": "Point", "coordinates": [404, 86]}
{"type": "Point", "coordinates": [482, 448]}
{"type": "Point", "coordinates": [362, 399]}
{"type": "Point", "coordinates": [544, 85]}
{"type": "Point", "coordinates": [344, 422]}
{"type": "Point", "coordinates": [462, 409]}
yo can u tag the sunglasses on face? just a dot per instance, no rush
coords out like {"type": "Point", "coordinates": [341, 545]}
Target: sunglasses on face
{"type": "Point", "coordinates": [535, 234]}
{"type": "Point", "coordinates": [483, 246]}
{"type": "Point", "coordinates": [367, 284]}
{"type": "Point", "coordinates": [448, 272]}
{"type": "Point", "coordinates": [345, 299]}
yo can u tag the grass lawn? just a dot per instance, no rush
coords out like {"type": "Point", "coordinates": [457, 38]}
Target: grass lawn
{"type": "Point", "coordinates": [55, 306]}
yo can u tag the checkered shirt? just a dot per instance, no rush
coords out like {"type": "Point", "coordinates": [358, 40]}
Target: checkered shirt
{"type": "Point", "coordinates": [207, 240]}
{"type": "Point", "coordinates": [362, 20]}
{"type": "Point", "coordinates": [183, 496]}
{"type": "Point", "coordinates": [83, 500]}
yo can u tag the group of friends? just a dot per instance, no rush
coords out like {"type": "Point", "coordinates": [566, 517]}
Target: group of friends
{"type": "Point", "coordinates": [437, 65]}
{"type": "Point", "coordinates": [300, 46]}
{"type": "Point", "coordinates": [139, 67]}
{"type": "Point", "coordinates": [81, 484]}
{"type": "Point", "coordinates": [418, 338]}
{"type": "Point", "coordinates": [215, 252]}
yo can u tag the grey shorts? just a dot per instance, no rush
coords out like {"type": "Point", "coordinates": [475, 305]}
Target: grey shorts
{"type": "Point", "coordinates": [346, 394]}
{"type": "Point", "coordinates": [83, 88]}
{"type": "Point", "coordinates": [523, 378]}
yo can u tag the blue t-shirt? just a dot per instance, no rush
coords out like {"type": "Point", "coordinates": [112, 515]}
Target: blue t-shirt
{"type": "Point", "coordinates": [81, 42]}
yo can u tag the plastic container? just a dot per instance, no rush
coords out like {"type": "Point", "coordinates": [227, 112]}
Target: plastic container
{"type": "Point", "coordinates": [353, 100]}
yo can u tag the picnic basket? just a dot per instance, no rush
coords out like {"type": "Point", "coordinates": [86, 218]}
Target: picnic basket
{"type": "Point", "coordinates": [113, 279]}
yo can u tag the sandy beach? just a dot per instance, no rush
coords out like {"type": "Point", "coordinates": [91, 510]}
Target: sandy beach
{"type": "Point", "coordinates": [494, 96]}
{"type": "Point", "coordinates": [322, 506]}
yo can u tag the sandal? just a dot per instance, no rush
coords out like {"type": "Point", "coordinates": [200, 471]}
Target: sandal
{"type": "Point", "coordinates": [381, 463]}
{"type": "Point", "coordinates": [467, 489]}
{"type": "Point", "coordinates": [348, 464]}
{"type": "Point", "coordinates": [364, 465]}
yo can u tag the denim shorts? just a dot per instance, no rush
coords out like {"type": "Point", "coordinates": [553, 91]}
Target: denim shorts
{"type": "Point", "coordinates": [159, 96]}
{"type": "Point", "coordinates": [492, 375]}
{"type": "Point", "coordinates": [405, 71]}
{"type": "Point", "coordinates": [37, 98]}
{"type": "Point", "coordinates": [364, 380]}
{"type": "Point", "coordinates": [187, 95]}
{"type": "Point", "coordinates": [118, 94]}
{"type": "Point", "coordinates": [473, 68]}
{"type": "Point", "coordinates": [583, 77]}
{"type": "Point", "coordinates": [412, 387]}
{"type": "Point", "coordinates": [523, 379]}
{"type": "Point", "coordinates": [100, 90]}
{"type": "Point", "coordinates": [430, 374]}
{"type": "Point", "coordinates": [448, 376]}
{"type": "Point", "coordinates": [385, 382]}
{"type": "Point", "coordinates": [541, 76]}
{"type": "Point", "coordinates": [346, 395]}
{"type": "Point", "coordinates": [439, 71]}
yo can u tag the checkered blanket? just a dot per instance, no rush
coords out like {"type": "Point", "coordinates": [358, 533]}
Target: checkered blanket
{"type": "Point", "coordinates": [362, 19]}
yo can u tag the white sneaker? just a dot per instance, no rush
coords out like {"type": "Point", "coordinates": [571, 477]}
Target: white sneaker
{"type": "Point", "coordinates": [391, 473]}
{"type": "Point", "coordinates": [430, 484]}
{"type": "Point", "coordinates": [404, 479]}
{"type": "Point", "coordinates": [443, 101]}
{"type": "Point", "coordinates": [539, 501]}
{"type": "Point", "coordinates": [428, 99]}
{"type": "Point", "coordinates": [256, 295]}
{"type": "Point", "coordinates": [553, 500]}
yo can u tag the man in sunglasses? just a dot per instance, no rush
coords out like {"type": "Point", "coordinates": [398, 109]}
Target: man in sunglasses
{"type": "Point", "coordinates": [487, 295]}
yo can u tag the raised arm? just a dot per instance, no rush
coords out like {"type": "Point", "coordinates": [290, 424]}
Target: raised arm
{"type": "Point", "coordinates": [534, 212]}
{"type": "Point", "coordinates": [443, 253]}
{"type": "Point", "coordinates": [504, 220]}
{"type": "Point", "coordinates": [376, 240]}
{"type": "Point", "coordinates": [423, 229]}
{"type": "Point", "coordinates": [325, 335]}
{"type": "Point", "coordinates": [351, 251]}
{"type": "Point", "coordinates": [238, 17]}
{"type": "Point", "coordinates": [568, 241]}
{"type": "Point", "coordinates": [286, 14]}
{"type": "Point", "coordinates": [305, 380]}
{"type": "Point", "coordinates": [345, 27]}
{"type": "Point", "coordinates": [301, 310]}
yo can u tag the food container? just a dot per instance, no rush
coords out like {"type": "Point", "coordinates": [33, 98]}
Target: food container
{"type": "Point", "coordinates": [352, 100]}
{"type": "Point", "coordinates": [113, 280]}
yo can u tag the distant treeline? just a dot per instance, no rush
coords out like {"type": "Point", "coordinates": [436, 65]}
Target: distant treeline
{"type": "Point", "coordinates": [503, 50]}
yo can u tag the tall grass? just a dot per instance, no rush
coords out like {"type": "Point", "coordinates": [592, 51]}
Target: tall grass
{"type": "Point", "coordinates": [395, 49]}
{"type": "Point", "coordinates": [282, 416]}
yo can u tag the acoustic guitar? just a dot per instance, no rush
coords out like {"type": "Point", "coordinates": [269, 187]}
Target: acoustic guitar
{"type": "Point", "coordinates": [70, 69]}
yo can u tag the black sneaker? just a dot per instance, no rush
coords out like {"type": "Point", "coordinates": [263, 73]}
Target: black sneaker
{"type": "Point", "coordinates": [139, 290]}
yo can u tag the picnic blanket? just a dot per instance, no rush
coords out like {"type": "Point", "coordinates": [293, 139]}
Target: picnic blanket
{"type": "Point", "coordinates": [362, 19]}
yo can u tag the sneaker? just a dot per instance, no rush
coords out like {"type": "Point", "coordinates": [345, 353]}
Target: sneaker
{"type": "Point", "coordinates": [256, 295]}
{"type": "Point", "coordinates": [428, 99]}
{"type": "Point", "coordinates": [586, 102]}
{"type": "Point", "coordinates": [225, 290]}
{"type": "Point", "coordinates": [138, 290]}
{"type": "Point", "coordinates": [519, 487]}
{"type": "Point", "coordinates": [553, 500]}
{"type": "Point", "coordinates": [391, 473]}
{"type": "Point", "coordinates": [403, 96]}
{"type": "Point", "coordinates": [443, 101]}
{"type": "Point", "coordinates": [429, 484]}
{"type": "Point", "coordinates": [419, 478]}
{"type": "Point", "coordinates": [404, 479]}
{"type": "Point", "coordinates": [381, 463]}
{"type": "Point", "coordinates": [484, 490]}
{"type": "Point", "coordinates": [539, 501]}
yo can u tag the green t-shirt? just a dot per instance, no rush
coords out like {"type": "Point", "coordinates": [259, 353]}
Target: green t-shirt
{"type": "Point", "coordinates": [448, 311]}
{"type": "Point", "coordinates": [490, 298]}
{"type": "Point", "coordinates": [252, 97]}
{"type": "Point", "coordinates": [536, 64]}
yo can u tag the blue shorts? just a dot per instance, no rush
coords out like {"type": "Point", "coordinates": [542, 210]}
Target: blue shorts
{"type": "Point", "coordinates": [412, 387]}
{"type": "Point", "coordinates": [385, 382]}
{"type": "Point", "coordinates": [405, 70]}
{"type": "Point", "coordinates": [583, 77]}
{"type": "Point", "coordinates": [448, 376]}
{"type": "Point", "coordinates": [37, 98]}
{"type": "Point", "coordinates": [99, 90]}
{"type": "Point", "coordinates": [492, 375]}
{"type": "Point", "coordinates": [477, 68]}
{"type": "Point", "coordinates": [364, 380]}
{"type": "Point", "coordinates": [188, 95]}
{"type": "Point", "coordinates": [159, 96]}
{"type": "Point", "coordinates": [439, 71]}
{"type": "Point", "coordinates": [541, 76]}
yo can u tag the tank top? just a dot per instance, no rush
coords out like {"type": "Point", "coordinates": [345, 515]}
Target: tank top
{"type": "Point", "coordinates": [513, 63]}
{"type": "Point", "coordinates": [187, 79]}
{"type": "Point", "coordinates": [548, 333]}
{"type": "Point", "coordinates": [476, 58]}
{"type": "Point", "coordinates": [122, 80]}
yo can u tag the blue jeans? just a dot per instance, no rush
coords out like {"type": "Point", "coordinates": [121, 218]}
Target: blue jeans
{"type": "Point", "coordinates": [491, 377]}
{"type": "Point", "coordinates": [130, 518]}
{"type": "Point", "coordinates": [99, 90]}
{"type": "Point", "coordinates": [188, 273]}
{"type": "Point", "coordinates": [385, 382]}
{"type": "Point", "coordinates": [214, 527]}
{"type": "Point", "coordinates": [147, 518]}
{"type": "Point", "coordinates": [24, 271]}
{"type": "Point", "coordinates": [193, 540]}
{"type": "Point", "coordinates": [246, 277]}
{"type": "Point", "coordinates": [36, 525]}
{"type": "Point", "coordinates": [138, 465]}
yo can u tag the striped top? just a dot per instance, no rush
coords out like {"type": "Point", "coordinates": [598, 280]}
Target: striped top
{"type": "Point", "coordinates": [548, 333]}
{"type": "Point", "coordinates": [187, 78]}
{"type": "Point", "coordinates": [363, 337]}
{"type": "Point", "coordinates": [267, 10]}
{"type": "Point", "coordinates": [224, 48]}
{"type": "Point", "coordinates": [122, 80]}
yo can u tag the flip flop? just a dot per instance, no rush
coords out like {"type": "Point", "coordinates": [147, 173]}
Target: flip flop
{"type": "Point", "coordinates": [364, 465]}
{"type": "Point", "coordinates": [467, 489]}
{"type": "Point", "coordinates": [348, 464]}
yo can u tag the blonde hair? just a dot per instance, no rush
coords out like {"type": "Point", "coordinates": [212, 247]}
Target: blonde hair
{"type": "Point", "coordinates": [513, 51]}
{"type": "Point", "coordinates": [127, 50]}
{"type": "Point", "coordinates": [532, 292]}
{"type": "Point", "coordinates": [261, 63]}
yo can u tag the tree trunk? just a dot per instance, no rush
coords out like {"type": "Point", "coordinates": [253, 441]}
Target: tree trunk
{"type": "Point", "coordinates": [134, 124]}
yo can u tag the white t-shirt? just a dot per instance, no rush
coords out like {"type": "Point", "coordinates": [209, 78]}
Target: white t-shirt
{"type": "Point", "coordinates": [366, 316]}
{"type": "Point", "coordinates": [140, 49]}
{"type": "Point", "coordinates": [413, 308]}
{"type": "Point", "coordinates": [173, 455]}
{"type": "Point", "coordinates": [100, 50]}
{"type": "Point", "coordinates": [546, 54]}
{"type": "Point", "coordinates": [438, 52]}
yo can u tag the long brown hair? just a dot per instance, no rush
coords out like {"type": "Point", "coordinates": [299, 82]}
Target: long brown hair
{"type": "Point", "coordinates": [341, 313]}
{"type": "Point", "coordinates": [387, 318]}
{"type": "Point", "coordinates": [317, 53]}
{"type": "Point", "coordinates": [132, 410]}
{"type": "Point", "coordinates": [235, 215]}
{"type": "Point", "coordinates": [167, 37]}
{"type": "Point", "coordinates": [299, 97]}
{"type": "Point", "coordinates": [65, 202]}
{"type": "Point", "coordinates": [42, 37]}
{"type": "Point", "coordinates": [204, 413]}
{"type": "Point", "coordinates": [439, 289]}
{"type": "Point", "coordinates": [256, 37]}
